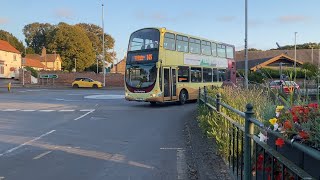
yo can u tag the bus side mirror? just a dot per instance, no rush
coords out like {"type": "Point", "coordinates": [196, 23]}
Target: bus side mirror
{"type": "Point", "coordinates": [158, 65]}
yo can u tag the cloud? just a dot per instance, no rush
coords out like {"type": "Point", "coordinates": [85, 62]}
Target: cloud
{"type": "Point", "coordinates": [3, 20]}
{"type": "Point", "coordinates": [64, 13]}
{"type": "Point", "coordinates": [226, 19]}
{"type": "Point", "coordinates": [293, 19]}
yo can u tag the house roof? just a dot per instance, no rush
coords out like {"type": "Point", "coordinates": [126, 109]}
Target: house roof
{"type": "Point", "coordinates": [264, 58]}
{"type": "Point", "coordinates": [5, 46]}
{"type": "Point", "coordinates": [48, 57]}
{"type": "Point", "coordinates": [303, 55]}
{"type": "Point", "coordinates": [32, 63]}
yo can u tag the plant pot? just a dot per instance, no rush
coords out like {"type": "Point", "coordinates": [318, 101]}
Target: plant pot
{"type": "Point", "coordinates": [299, 158]}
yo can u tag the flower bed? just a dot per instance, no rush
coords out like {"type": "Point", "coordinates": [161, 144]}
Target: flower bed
{"type": "Point", "coordinates": [298, 124]}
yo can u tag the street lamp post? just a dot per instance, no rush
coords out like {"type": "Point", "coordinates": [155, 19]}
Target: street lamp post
{"type": "Point", "coordinates": [295, 55]}
{"type": "Point", "coordinates": [97, 64]}
{"type": "Point", "coordinates": [246, 44]}
{"type": "Point", "coordinates": [103, 51]}
{"type": "Point", "coordinates": [312, 54]}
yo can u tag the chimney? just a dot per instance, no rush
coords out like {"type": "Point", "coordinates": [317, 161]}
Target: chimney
{"type": "Point", "coordinates": [44, 52]}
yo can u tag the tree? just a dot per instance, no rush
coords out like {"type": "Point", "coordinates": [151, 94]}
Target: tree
{"type": "Point", "coordinates": [71, 42]}
{"type": "Point", "coordinates": [6, 36]}
{"type": "Point", "coordinates": [94, 33]}
{"type": "Point", "coordinates": [311, 68]}
{"type": "Point", "coordinates": [300, 46]}
{"type": "Point", "coordinates": [38, 35]}
{"type": "Point", "coordinates": [254, 49]}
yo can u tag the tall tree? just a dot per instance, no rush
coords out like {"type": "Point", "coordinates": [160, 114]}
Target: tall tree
{"type": "Point", "coordinates": [94, 33]}
{"type": "Point", "coordinates": [72, 43]}
{"type": "Point", "coordinates": [309, 45]}
{"type": "Point", "coordinates": [6, 36]}
{"type": "Point", "coordinates": [38, 35]}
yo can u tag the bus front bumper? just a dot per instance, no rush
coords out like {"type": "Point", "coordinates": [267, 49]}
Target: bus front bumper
{"type": "Point", "coordinates": [145, 98]}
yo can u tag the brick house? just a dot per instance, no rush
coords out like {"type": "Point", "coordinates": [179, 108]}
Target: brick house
{"type": "Point", "coordinates": [50, 61]}
{"type": "Point", "coordinates": [120, 67]}
{"type": "Point", "coordinates": [34, 63]}
{"type": "Point", "coordinates": [10, 60]}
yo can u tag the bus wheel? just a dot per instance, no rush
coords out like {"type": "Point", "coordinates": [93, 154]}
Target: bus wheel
{"type": "Point", "coordinates": [183, 97]}
{"type": "Point", "coordinates": [153, 103]}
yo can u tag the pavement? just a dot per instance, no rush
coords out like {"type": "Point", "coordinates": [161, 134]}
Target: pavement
{"type": "Point", "coordinates": [90, 134]}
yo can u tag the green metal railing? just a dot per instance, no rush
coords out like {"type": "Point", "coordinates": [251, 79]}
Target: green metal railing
{"type": "Point", "coordinates": [244, 146]}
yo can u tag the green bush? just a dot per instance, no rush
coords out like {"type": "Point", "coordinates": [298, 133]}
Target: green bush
{"type": "Point", "coordinates": [34, 72]}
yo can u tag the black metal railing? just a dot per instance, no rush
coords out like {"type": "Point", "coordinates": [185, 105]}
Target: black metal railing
{"type": "Point", "coordinates": [247, 156]}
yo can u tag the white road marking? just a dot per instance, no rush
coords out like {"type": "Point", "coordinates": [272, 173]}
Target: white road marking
{"type": "Point", "coordinates": [26, 143]}
{"type": "Point", "coordinates": [47, 110]}
{"type": "Point", "coordinates": [41, 155]}
{"type": "Point", "coordinates": [58, 99]}
{"type": "Point", "coordinates": [104, 97]}
{"type": "Point", "coordinates": [1, 177]}
{"type": "Point", "coordinates": [171, 148]}
{"type": "Point", "coordinates": [181, 165]}
{"type": "Point", "coordinates": [27, 110]}
{"type": "Point", "coordinates": [67, 110]}
{"type": "Point", "coordinates": [86, 110]}
{"type": "Point", "coordinates": [84, 115]}
{"type": "Point", "coordinates": [10, 110]}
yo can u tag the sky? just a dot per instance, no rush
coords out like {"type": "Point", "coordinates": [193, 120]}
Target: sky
{"type": "Point", "coordinates": [269, 21]}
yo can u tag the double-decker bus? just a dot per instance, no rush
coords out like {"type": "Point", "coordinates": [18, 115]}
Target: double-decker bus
{"type": "Point", "coordinates": [165, 66]}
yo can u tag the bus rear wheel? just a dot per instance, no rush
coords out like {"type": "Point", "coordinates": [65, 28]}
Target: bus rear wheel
{"type": "Point", "coordinates": [153, 103]}
{"type": "Point", "coordinates": [183, 97]}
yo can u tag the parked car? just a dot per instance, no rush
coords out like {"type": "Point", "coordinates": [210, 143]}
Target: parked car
{"type": "Point", "coordinates": [86, 82]}
{"type": "Point", "coordinates": [285, 86]}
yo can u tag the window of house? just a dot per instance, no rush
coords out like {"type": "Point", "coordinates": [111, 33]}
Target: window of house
{"type": "Point", "coordinates": [1, 69]}
{"type": "Point", "coordinates": [182, 44]}
{"type": "Point", "coordinates": [206, 48]}
{"type": "Point", "coordinates": [221, 50]}
{"type": "Point", "coordinates": [183, 74]}
{"type": "Point", "coordinates": [207, 75]}
{"type": "Point", "coordinates": [14, 57]}
{"type": "Point", "coordinates": [196, 75]}
{"type": "Point", "coordinates": [169, 41]}
{"type": "Point", "coordinates": [194, 45]}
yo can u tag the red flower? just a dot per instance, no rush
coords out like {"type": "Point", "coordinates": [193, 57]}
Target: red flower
{"type": "Point", "coordinates": [313, 105]}
{"type": "Point", "coordinates": [287, 124]}
{"type": "Point", "coordinates": [295, 119]}
{"type": "Point", "coordinates": [303, 135]}
{"type": "Point", "coordinates": [280, 142]}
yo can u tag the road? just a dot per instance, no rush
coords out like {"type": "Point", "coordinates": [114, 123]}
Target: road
{"type": "Point", "coordinates": [89, 134]}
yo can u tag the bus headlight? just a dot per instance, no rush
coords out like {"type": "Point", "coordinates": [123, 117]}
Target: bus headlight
{"type": "Point", "coordinates": [153, 95]}
{"type": "Point", "coordinates": [127, 94]}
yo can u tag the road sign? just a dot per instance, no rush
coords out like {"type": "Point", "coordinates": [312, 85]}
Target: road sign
{"type": "Point", "coordinates": [48, 76]}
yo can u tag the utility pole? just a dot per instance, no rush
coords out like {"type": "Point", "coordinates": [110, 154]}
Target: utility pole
{"type": "Point", "coordinates": [97, 64]}
{"type": "Point", "coordinates": [295, 55]}
{"type": "Point", "coordinates": [246, 45]}
{"type": "Point", "coordinates": [75, 64]}
{"type": "Point", "coordinates": [312, 54]}
{"type": "Point", "coordinates": [103, 51]}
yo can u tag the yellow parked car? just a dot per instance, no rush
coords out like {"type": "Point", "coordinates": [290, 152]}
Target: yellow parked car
{"type": "Point", "coordinates": [86, 82]}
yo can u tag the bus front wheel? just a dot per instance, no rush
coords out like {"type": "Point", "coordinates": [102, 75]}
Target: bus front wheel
{"type": "Point", "coordinates": [183, 97]}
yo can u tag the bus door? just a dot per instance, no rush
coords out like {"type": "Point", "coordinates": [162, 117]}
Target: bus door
{"type": "Point", "coordinates": [170, 83]}
{"type": "Point", "coordinates": [174, 84]}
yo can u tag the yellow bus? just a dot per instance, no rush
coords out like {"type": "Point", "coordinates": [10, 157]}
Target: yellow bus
{"type": "Point", "coordinates": [166, 66]}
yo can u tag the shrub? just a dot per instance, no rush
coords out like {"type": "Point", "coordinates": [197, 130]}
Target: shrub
{"type": "Point", "coordinates": [34, 72]}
